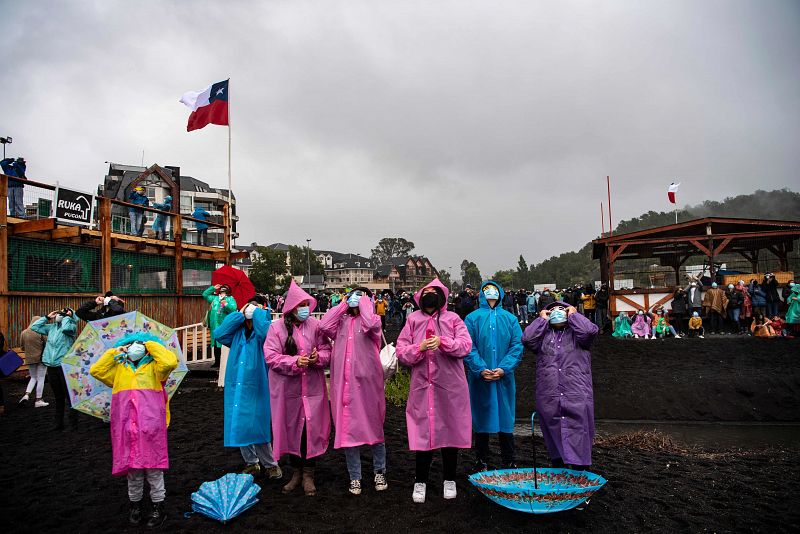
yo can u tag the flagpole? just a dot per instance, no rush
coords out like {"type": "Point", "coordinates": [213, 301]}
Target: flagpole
{"type": "Point", "coordinates": [230, 181]}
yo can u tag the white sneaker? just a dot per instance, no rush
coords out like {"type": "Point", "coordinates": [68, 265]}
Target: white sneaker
{"type": "Point", "coordinates": [653, 337]}
{"type": "Point", "coordinates": [355, 487]}
{"type": "Point", "coordinates": [41, 404]}
{"type": "Point", "coordinates": [24, 398]}
{"type": "Point", "coordinates": [449, 489]}
{"type": "Point", "coordinates": [380, 482]}
{"type": "Point", "coordinates": [702, 337]}
{"type": "Point", "coordinates": [419, 492]}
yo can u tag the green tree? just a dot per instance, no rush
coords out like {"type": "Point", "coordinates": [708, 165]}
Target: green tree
{"type": "Point", "coordinates": [505, 278]}
{"type": "Point", "coordinates": [472, 275]}
{"type": "Point", "coordinates": [389, 247]}
{"type": "Point", "coordinates": [268, 272]}
{"type": "Point", "coordinates": [444, 278]}
{"type": "Point", "coordinates": [298, 261]}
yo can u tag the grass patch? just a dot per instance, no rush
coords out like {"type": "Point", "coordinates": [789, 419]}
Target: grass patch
{"type": "Point", "coordinates": [397, 387]}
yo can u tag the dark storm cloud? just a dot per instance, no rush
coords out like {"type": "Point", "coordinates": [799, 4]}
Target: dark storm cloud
{"type": "Point", "coordinates": [475, 129]}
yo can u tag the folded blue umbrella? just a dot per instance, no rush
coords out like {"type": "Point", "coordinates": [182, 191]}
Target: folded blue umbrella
{"type": "Point", "coordinates": [227, 497]}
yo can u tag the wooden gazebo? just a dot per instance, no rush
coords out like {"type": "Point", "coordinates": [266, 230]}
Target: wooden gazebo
{"type": "Point", "coordinates": [674, 244]}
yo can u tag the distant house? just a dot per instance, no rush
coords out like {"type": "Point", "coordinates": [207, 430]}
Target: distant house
{"type": "Point", "coordinates": [408, 273]}
{"type": "Point", "coordinates": [350, 270]}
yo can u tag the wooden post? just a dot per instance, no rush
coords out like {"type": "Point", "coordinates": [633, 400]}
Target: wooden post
{"type": "Point", "coordinates": [612, 302]}
{"type": "Point", "coordinates": [712, 271]}
{"type": "Point", "coordinates": [177, 231]}
{"type": "Point", "coordinates": [105, 244]}
{"type": "Point", "coordinates": [4, 318]}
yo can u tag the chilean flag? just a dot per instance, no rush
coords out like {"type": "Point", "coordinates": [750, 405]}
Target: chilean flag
{"type": "Point", "coordinates": [673, 188]}
{"type": "Point", "coordinates": [209, 106]}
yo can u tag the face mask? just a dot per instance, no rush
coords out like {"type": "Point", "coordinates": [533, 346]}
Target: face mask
{"type": "Point", "coordinates": [302, 313]}
{"type": "Point", "coordinates": [491, 293]}
{"type": "Point", "coordinates": [714, 284]}
{"type": "Point", "coordinates": [558, 316]}
{"type": "Point", "coordinates": [791, 284]}
{"type": "Point", "coordinates": [354, 300]}
{"type": "Point", "coordinates": [695, 314]}
{"type": "Point", "coordinates": [730, 286]}
{"type": "Point", "coordinates": [59, 318]}
{"type": "Point", "coordinates": [136, 352]}
{"type": "Point", "coordinates": [429, 300]}
{"type": "Point", "coordinates": [694, 285]}
{"type": "Point", "coordinates": [249, 310]}
{"type": "Point", "coordinates": [640, 312]}
{"type": "Point", "coordinates": [106, 301]}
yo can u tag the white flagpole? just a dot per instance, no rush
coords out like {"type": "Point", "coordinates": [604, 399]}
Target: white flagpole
{"type": "Point", "coordinates": [230, 181]}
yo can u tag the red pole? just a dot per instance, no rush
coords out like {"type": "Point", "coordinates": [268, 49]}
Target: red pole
{"type": "Point", "coordinates": [602, 221]}
{"type": "Point", "coordinates": [610, 225]}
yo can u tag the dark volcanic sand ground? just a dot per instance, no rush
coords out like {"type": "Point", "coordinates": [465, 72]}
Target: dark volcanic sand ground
{"type": "Point", "coordinates": [60, 482]}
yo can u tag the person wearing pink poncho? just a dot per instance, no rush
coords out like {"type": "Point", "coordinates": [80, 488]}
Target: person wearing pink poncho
{"type": "Point", "coordinates": [358, 400]}
{"type": "Point", "coordinates": [434, 343]}
{"type": "Point", "coordinates": [297, 352]}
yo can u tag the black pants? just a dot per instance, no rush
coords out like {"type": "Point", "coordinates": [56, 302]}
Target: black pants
{"type": "Point", "coordinates": [699, 332]}
{"type": "Point", "coordinates": [383, 322]}
{"type": "Point", "coordinates": [449, 464]}
{"type": "Point", "coordinates": [506, 447]}
{"type": "Point", "coordinates": [715, 322]}
{"type": "Point", "coordinates": [678, 320]}
{"type": "Point", "coordinates": [298, 462]}
{"type": "Point", "coordinates": [59, 385]}
{"type": "Point", "coordinates": [217, 355]}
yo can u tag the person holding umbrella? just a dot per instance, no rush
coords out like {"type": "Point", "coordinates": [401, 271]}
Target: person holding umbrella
{"type": "Point", "coordinates": [222, 304]}
{"type": "Point", "coordinates": [297, 352]}
{"type": "Point", "coordinates": [247, 411]}
{"type": "Point", "coordinates": [562, 338]}
{"type": "Point", "coordinates": [434, 343]}
{"type": "Point", "coordinates": [357, 395]}
{"type": "Point", "coordinates": [136, 368]}
{"type": "Point", "coordinates": [496, 353]}
{"type": "Point", "coordinates": [61, 335]}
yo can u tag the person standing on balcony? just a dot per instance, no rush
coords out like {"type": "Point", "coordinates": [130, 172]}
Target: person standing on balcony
{"type": "Point", "coordinates": [16, 168]}
{"type": "Point", "coordinates": [222, 304]}
{"type": "Point", "coordinates": [137, 217]}
{"type": "Point", "coordinates": [160, 224]}
{"type": "Point", "coordinates": [202, 229]}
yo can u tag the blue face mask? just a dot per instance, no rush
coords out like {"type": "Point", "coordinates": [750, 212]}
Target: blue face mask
{"type": "Point", "coordinates": [491, 293]}
{"type": "Point", "coordinates": [558, 316]}
{"type": "Point", "coordinates": [136, 352]}
{"type": "Point", "coordinates": [302, 313]}
{"type": "Point", "coordinates": [353, 300]}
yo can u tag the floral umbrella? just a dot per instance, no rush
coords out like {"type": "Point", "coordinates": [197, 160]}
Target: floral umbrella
{"type": "Point", "coordinates": [91, 396]}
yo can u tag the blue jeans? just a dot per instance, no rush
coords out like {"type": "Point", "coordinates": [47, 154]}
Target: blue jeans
{"type": "Point", "coordinates": [523, 314]}
{"type": "Point", "coordinates": [262, 452]}
{"type": "Point", "coordinates": [772, 309]}
{"type": "Point", "coordinates": [136, 221]}
{"type": "Point", "coordinates": [353, 457]}
{"type": "Point", "coordinates": [16, 206]}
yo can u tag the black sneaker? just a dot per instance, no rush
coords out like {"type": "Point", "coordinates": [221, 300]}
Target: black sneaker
{"type": "Point", "coordinates": [135, 513]}
{"type": "Point", "coordinates": [157, 516]}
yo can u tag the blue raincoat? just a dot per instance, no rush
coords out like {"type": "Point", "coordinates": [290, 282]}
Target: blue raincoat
{"type": "Point", "coordinates": [60, 337]}
{"type": "Point", "coordinates": [247, 409]}
{"type": "Point", "coordinates": [160, 224]}
{"type": "Point", "coordinates": [496, 343]}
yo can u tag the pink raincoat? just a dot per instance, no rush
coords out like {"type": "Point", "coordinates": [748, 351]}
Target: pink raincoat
{"type": "Point", "coordinates": [438, 410]}
{"type": "Point", "coordinates": [641, 325]}
{"type": "Point", "coordinates": [357, 397]}
{"type": "Point", "coordinates": [298, 395]}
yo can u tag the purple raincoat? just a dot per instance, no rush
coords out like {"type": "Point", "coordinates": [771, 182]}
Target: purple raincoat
{"type": "Point", "coordinates": [358, 402]}
{"type": "Point", "coordinates": [564, 395]}
{"type": "Point", "coordinates": [298, 395]}
{"type": "Point", "coordinates": [437, 412]}
{"type": "Point", "coordinates": [641, 325]}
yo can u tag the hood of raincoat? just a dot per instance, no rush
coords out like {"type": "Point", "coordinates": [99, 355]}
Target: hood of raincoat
{"type": "Point", "coordinates": [556, 303]}
{"type": "Point", "coordinates": [482, 298]}
{"type": "Point", "coordinates": [142, 337]}
{"type": "Point", "coordinates": [295, 296]}
{"type": "Point", "coordinates": [435, 283]}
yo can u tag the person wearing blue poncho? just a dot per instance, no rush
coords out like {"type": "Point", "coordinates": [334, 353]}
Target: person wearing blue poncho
{"type": "Point", "coordinates": [247, 408]}
{"type": "Point", "coordinates": [496, 352]}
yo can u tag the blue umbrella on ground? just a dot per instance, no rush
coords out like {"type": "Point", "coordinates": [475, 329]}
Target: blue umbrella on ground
{"type": "Point", "coordinates": [537, 491]}
{"type": "Point", "coordinates": [225, 498]}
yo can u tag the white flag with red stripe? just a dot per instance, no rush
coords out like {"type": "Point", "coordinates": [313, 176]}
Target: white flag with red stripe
{"type": "Point", "coordinates": [673, 188]}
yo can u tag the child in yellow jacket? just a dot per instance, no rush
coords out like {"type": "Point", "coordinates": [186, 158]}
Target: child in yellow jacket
{"type": "Point", "coordinates": [136, 369]}
{"type": "Point", "coordinates": [696, 326]}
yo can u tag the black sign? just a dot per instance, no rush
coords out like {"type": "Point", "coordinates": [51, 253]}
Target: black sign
{"type": "Point", "coordinates": [73, 206]}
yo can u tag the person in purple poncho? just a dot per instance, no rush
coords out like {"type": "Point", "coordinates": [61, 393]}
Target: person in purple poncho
{"type": "Point", "coordinates": [561, 338]}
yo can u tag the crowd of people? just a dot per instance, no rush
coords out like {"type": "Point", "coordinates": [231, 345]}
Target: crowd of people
{"type": "Point", "coordinates": [278, 401]}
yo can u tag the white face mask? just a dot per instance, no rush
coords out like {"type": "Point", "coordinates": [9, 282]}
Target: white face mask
{"type": "Point", "coordinates": [106, 301]}
{"type": "Point", "coordinates": [249, 310]}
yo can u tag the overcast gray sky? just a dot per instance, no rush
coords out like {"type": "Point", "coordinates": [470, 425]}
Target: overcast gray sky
{"type": "Point", "coordinates": [478, 130]}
